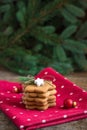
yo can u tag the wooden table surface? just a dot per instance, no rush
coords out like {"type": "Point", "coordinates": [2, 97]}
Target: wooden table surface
{"type": "Point", "coordinates": [78, 78]}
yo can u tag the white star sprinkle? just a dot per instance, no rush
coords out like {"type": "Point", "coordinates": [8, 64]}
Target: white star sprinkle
{"type": "Point", "coordinates": [39, 82]}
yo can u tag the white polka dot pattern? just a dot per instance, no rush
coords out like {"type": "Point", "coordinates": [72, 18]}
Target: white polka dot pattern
{"type": "Point", "coordinates": [14, 117]}
{"type": "Point", "coordinates": [65, 116]}
{"type": "Point", "coordinates": [80, 99]}
{"type": "Point", "coordinates": [1, 102]}
{"type": "Point", "coordinates": [54, 80]}
{"type": "Point", "coordinates": [74, 84]}
{"type": "Point", "coordinates": [62, 106]}
{"type": "Point", "coordinates": [56, 111]}
{"type": "Point", "coordinates": [21, 113]}
{"type": "Point", "coordinates": [14, 96]}
{"type": "Point", "coordinates": [65, 78]}
{"type": "Point", "coordinates": [71, 93]}
{"type": "Point", "coordinates": [85, 112]}
{"type": "Point", "coordinates": [46, 73]}
{"type": "Point", "coordinates": [7, 109]}
{"type": "Point", "coordinates": [1, 93]}
{"type": "Point", "coordinates": [8, 92]}
{"type": "Point", "coordinates": [41, 111]}
{"type": "Point", "coordinates": [20, 102]}
{"type": "Point", "coordinates": [14, 86]}
{"type": "Point", "coordinates": [62, 86]}
{"type": "Point", "coordinates": [28, 119]}
{"type": "Point", "coordinates": [14, 106]}
{"type": "Point", "coordinates": [21, 126]}
{"type": "Point", "coordinates": [50, 115]}
{"type": "Point", "coordinates": [43, 121]}
{"type": "Point", "coordinates": [84, 90]}
{"type": "Point", "coordinates": [58, 95]}
{"type": "Point", "coordinates": [35, 115]}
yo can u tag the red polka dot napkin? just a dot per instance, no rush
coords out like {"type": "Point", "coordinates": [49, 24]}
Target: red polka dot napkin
{"type": "Point", "coordinates": [11, 103]}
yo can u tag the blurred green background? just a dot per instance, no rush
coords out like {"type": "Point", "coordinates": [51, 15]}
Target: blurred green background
{"type": "Point", "coordinates": [39, 33]}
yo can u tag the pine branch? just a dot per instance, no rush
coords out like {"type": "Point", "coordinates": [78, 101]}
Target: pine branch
{"type": "Point", "coordinates": [32, 9]}
{"type": "Point", "coordinates": [43, 14]}
{"type": "Point", "coordinates": [75, 46]}
{"type": "Point", "coordinates": [82, 62]}
{"type": "Point", "coordinates": [47, 38]}
{"type": "Point", "coordinates": [68, 31]}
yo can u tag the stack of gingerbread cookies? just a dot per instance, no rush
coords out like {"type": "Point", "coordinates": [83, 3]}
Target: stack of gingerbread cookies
{"type": "Point", "coordinates": [39, 95]}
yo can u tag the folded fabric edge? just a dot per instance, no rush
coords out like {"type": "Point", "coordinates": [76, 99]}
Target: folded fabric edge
{"type": "Point", "coordinates": [55, 122]}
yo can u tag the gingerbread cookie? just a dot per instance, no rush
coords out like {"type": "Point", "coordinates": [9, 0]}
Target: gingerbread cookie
{"type": "Point", "coordinates": [42, 95]}
{"type": "Point", "coordinates": [46, 87]}
{"type": "Point", "coordinates": [41, 107]}
{"type": "Point", "coordinates": [38, 100]}
{"type": "Point", "coordinates": [39, 94]}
